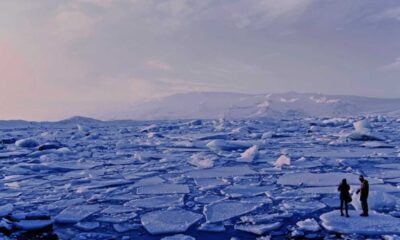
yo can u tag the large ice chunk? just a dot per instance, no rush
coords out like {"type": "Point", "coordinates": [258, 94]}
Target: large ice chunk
{"type": "Point", "coordinates": [222, 145]}
{"type": "Point", "coordinates": [221, 172]}
{"type": "Point", "coordinates": [6, 209]}
{"type": "Point", "coordinates": [201, 161]}
{"type": "Point", "coordinates": [30, 225]}
{"type": "Point", "coordinates": [281, 161]}
{"type": "Point", "coordinates": [308, 225]}
{"type": "Point", "coordinates": [249, 155]}
{"type": "Point", "coordinates": [246, 190]}
{"type": "Point", "coordinates": [224, 210]}
{"type": "Point", "coordinates": [163, 189]}
{"type": "Point", "coordinates": [259, 229]}
{"type": "Point", "coordinates": [156, 202]}
{"type": "Point", "coordinates": [377, 201]}
{"type": "Point", "coordinates": [169, 221]}
{"type": "Point", "coordinates": [76, 214]}
{"type": "Point", "coordinates": [375, 224]}
{"type": "Point", "coordinates": [320, 179]}
{"type": "Point", "coordinates": [303, 206]}
{"type": "Point", "coordinates": [178, 237]}
{"type": "Point", "coordinates": [27, 143]}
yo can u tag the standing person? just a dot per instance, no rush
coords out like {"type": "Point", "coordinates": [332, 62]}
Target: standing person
{"type": "Point", "coordinates": [344, 189]}
{"type": "Point", "coordinates": [364, 190]}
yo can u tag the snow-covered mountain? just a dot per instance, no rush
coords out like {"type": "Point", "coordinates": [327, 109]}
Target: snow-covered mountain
{"type": "Point", "coordinates": [212, 105]}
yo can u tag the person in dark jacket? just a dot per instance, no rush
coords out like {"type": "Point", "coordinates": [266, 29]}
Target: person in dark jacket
{"type": "Point", "coordinates": [344, 189]}
{"type": "Point", "coordinates": [364, 191]}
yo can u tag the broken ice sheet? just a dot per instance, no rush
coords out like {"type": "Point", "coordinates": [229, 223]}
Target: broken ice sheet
{"type": "Point", "coordinates": [375, 224]}
{"type": "Point", "coordinates": [303, 206]}
{"type": "Point", "coordinates": [76, 214]}
{"type": "Point", "coordinates": [169, 221]}
{"type": "Point", "coordinates": [156, 202]}
{"type": "Point", "coordinates": [224, 210]}
{"type": "Point", "coordinates": [221, 172]}
{"type": "Point", "coordinates": [235, 191]}
{"type": "Point", "coordinates": [260, 229]}
{"type": "Point", "coordinates": [320, 179]}
{"type": "Point", "coordinates": [210, 183]}
{"type": "Point", "coordinates": [163, 189]}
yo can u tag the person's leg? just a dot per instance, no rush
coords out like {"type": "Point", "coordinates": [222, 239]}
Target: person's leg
{"type": "Point", "coordinates": [364, 206]}
{"type": "Point", "coordinates": [347, 208]}
{"type": "Point", "coordinates": [341, 206]}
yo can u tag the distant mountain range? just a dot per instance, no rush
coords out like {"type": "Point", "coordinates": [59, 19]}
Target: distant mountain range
{"type": "Point", "coordinates": [213, 105]}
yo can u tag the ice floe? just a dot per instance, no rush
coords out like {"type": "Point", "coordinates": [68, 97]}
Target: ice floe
{"type": "Point", "coordinates": [249, 155]}
{"type": "Point", "coordinates": [169, 221]}
{"type": "Point", "coordinates": [75, 214]}
{"type": "Point", "coordinates": [163, 189]}
{"type": "Point", "coordinates": [375, 224]}
{"type": "Point", "coordinates": [156, 202]}
{"type": "Point", "coordinates": [281, 161]}
{"type": "Point", "coordinates": [224, 210]}
{"type": "Point", "coordinates": [309, 224]}
{"type": "Point", "coordinates": [259, 229]}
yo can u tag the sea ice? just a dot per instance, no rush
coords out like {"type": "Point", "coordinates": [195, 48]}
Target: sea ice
{"type": "Point", "coordinates": [178, 237]}
{"type": "Point", "coordinates": [209, 183]}
{"type": "Point", "coordinates": [376, 144]}
{"type": "Point", "coordinates": [281, 161]}
{"type": "Point", "coordinates": [87, 226]}
{"type": "Point", "coordinates": [320, 179]}
{"type": "Point", "coordinates": [377, 201]}
{"type": "Point", "coordinates": [156, 202]}
{"type": "Point", "coordinates": [362, 126]}
{"type": "Point", "coordinates": [249, 155]}
{"type": "Point", "coordinates": [163, 189]}
{"type": "Point", "coordinates": [6, 210]}
{"type": "Point", "coordinates": [304, 206]}
{"type": "Point", "coordinates": [245, 190]}
{"type": "Point", "coordinates": [201, 161]}
{"type": "Point", "coordinates": [221, 172]}
{"type": "Point", "coordinates": [76, 214]}
{"type": "Point", "coordinates": [259, 229]}
{"type": "Point", "coordinates": [222, 145]}
{"type": "Point", "coordinates": [375, 224]}
{"type": "Point", "coordinates": [224, 210]}
{"type": "Point", "coordinates": [30, 225]}
{"type": "Point", "coordinates": [27, 143]}
{"type": "Point", "coordinates": [169, 221]}
{"type": "Point", "coordinates": [308, 225]}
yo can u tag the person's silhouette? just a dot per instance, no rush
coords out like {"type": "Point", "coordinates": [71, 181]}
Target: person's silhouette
{"type": "Point", "coordinates": [345, 198]}
{"type": "Point", "coordinates": [364, 191]}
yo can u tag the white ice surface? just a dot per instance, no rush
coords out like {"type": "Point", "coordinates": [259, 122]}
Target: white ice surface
{"type": "Point", "coordinates": [260, 229]}
{"type": "Point", "coordinates": [224, 210]}
{"type": "Point", "coordinates": [163, 189]}
{"type": "Point", "coordinates": [309, 224]}
{"type": "Point", "coordinates": [169, 221]}
{"type": "Point", "coordinates": [375, 224]}
{"type": "Point", "coordinates": [320, 179]}
{"type": "Point", "coordinates": [75, 214]}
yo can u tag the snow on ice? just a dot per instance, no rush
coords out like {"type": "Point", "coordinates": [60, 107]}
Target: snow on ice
{"type": "Point", "coordinates": [232, 178]}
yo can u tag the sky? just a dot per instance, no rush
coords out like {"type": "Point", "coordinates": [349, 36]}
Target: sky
{"type": "Point", "coordinates": [87, 57]}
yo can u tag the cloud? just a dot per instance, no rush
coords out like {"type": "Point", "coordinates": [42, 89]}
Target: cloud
{"type": "Point", "coordinates": [157, 65]}
{"type": "Point", "coordinates": [393, 13]}
{"type": "Point", "coordinates": [394, 66]}
{"type": "Point", "coordinates": [257, 13]}
{"type": "Point", "coordinates": [71, 23]}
